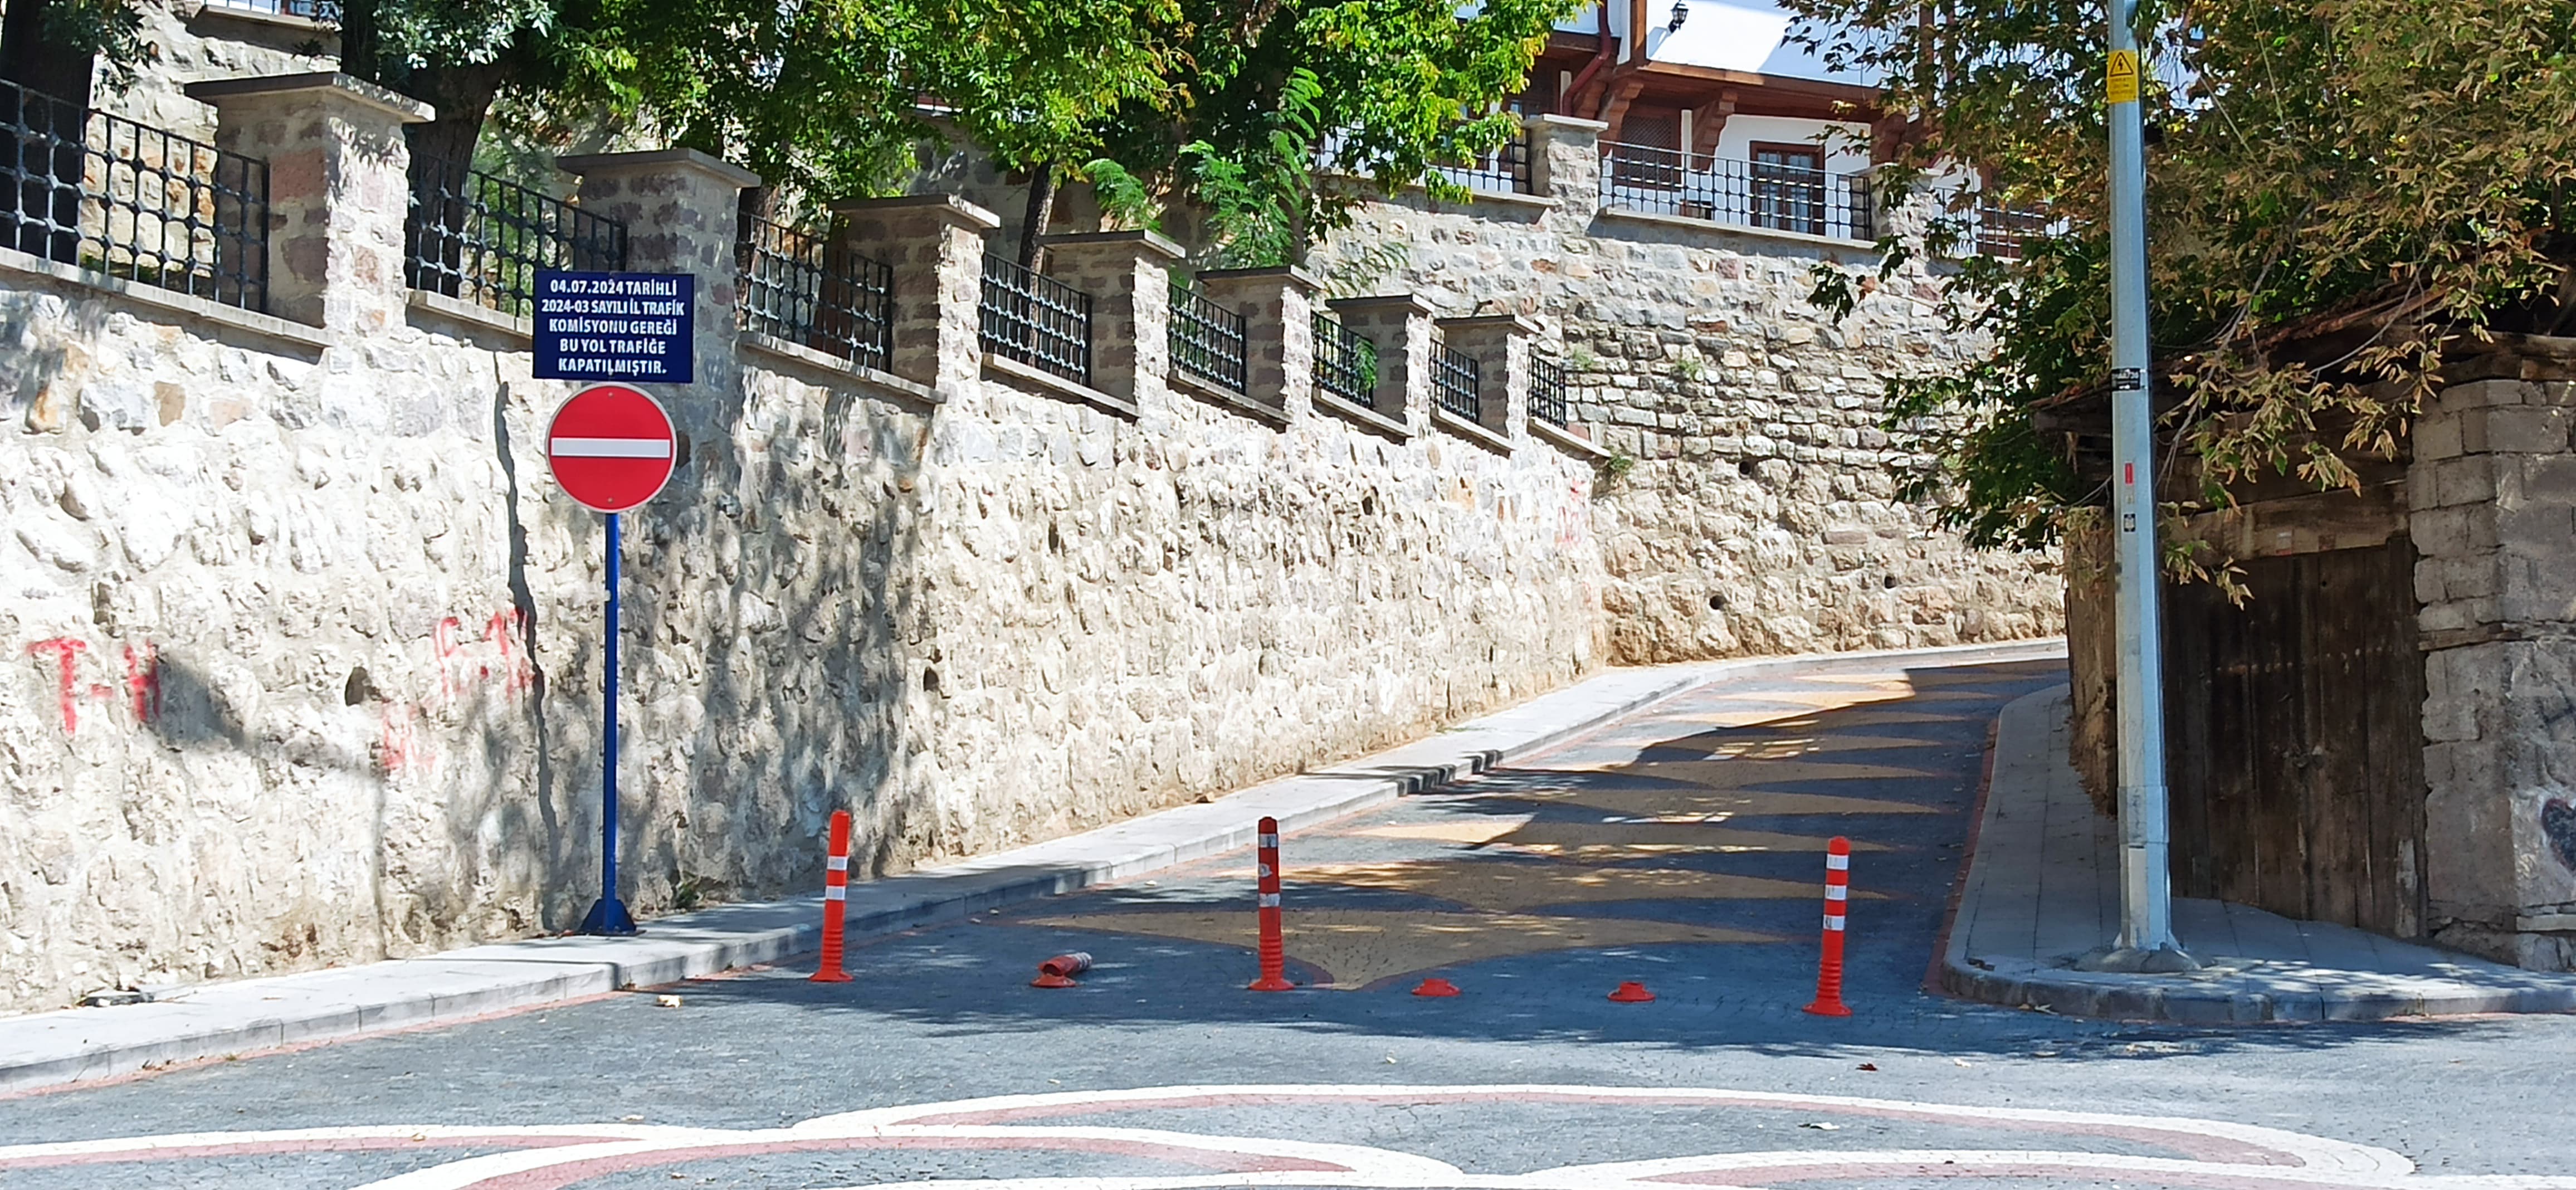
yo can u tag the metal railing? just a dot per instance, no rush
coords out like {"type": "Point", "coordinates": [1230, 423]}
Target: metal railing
{"type": "Point", "coordinates": [104, 193]}
{"type": "Point", "coordinates": [1345, 363]}
{"type": "Point", "coordinates": [1458, 382]}
{"type": "Point", "coordinates": [1737, 193]}
{"type": "Point", "coordinates": [1035, 319]}
{"type": "Point", "coordinates": [1504, 171]}
{"type": "Point", "coordinates": [1207, 339]}
{"type": "Point", "coordinates": [796, 286]}
{"type": "Point", "coordinates": [473, 236]}
{"type": "Point", "coordinates": [327, 11]}
{"type": "Point", "coordinates": [1547, 392]}
{"type": "Point", "coordinates": [2004, 232]}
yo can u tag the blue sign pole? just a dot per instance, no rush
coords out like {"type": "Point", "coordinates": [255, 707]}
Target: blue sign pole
{"type": "Point", "coordinates": [609, 916]}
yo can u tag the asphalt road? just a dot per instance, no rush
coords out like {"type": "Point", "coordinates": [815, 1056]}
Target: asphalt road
{"type": "Point", "coordinates": [1681, 848]}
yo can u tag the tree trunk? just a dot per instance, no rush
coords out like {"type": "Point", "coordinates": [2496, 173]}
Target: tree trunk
{"type": "Point", "coordinates": [41, 219]}
{"type": "Point", "coordinates": [442, 155]}
{"type": "Point", "coordinates": [1041, 211]}
{"type": "Point", "coordinates": [37, 62]}
{"type": "Point", "coordinates": [361, 48]}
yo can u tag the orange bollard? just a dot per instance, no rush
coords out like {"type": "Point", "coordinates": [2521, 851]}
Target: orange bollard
{"type": "Point", "coordinates": [1274, 952]}
{"type": "Point", "coordinates": [836, 892]}
{"type": "Point", "coordinates": [1058, 972]}
{"type": "Point", "coordinates": [1631, 992]}
{"type": "Point", "coordinates": [1436, 987]}
{"type": "Point", "coordinates": [1829, 968]}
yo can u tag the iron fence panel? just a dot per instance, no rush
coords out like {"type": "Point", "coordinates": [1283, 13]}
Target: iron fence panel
{"type": "Point", "coordinates": [473, 236]}
{"type": "Point", "coordinates": [795, 285]}
{"type": "Point", "coordinates": [107, 194]}
{"type": "Point", "coordinates": [1345, 362]}
{"type": "Point", "coordinates": [1458, 380]}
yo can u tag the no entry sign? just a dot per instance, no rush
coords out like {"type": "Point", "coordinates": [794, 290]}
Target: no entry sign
{"type": "Point", "coordinates": [611, 447]}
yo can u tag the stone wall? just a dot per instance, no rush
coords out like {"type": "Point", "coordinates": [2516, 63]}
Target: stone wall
{"type": "Point", "coordinates": [2492, 488]}
{"type": "Point", "coordinates": [304, 645]}
{"type": "Point", "coordinates": [1761, 514]}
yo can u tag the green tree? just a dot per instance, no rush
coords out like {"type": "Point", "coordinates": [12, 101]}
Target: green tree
{"type": "Point", "coordinates": [2336, 190]}
{"type": "Point", "coordinates": [1382, 90]}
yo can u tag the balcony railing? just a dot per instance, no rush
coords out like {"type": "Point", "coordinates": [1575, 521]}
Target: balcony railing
{"type": "Point", "coordinates": [1457, 381]}
{"type": "Point", "coordinates": [474, 236]}
{"type": "Point", "coordinates": [2004, 232]}
{"type": "Point", "coordinates": [796, 286]}
{"type": "Point", "coordinates": [326, 11]}
{"type": "Point", "coordinates": [1547, 392]}
{"type": "Point", "coordinates": [1207, 339]}
{"type": "Point", "coordinates": [1345, 363]}
{"type": "Point", "coordinates": [1036, 320]}
{"type": "Point", "coordinates": [1737, 193]}
{"type": "Point", "coordinates": [104, 193]}
{"type": "Point", "coordinates": [1504, 171]}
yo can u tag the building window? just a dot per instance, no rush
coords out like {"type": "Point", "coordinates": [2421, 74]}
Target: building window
{"type": "Point", "coordinates": [1789, 187]}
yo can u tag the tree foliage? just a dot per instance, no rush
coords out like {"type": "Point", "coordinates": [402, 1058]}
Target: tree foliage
{"type": "Point", "coordinates": [1375, 91]}
{"type": "Point", "coordinates": [2338, 189]}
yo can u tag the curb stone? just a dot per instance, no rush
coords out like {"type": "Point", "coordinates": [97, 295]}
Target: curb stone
{"type": "Point", "coordinates": [77, 1045]}
{"type": "Point", "coordinates": [2261, 983]}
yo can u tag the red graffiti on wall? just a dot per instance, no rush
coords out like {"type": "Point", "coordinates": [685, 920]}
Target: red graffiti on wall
{"type": "Point", "coordinates": [443, 638]}
{"type": "Point", "coordinates": [143, 681]}
{"type": "Point", "coordinates": [142, 693]}
{"type": "Point", "coordinates": [400, 748]}
{"type": "Point", "coordinates": [501, 630]}
{"type": "Point", "coordinates": [66, 653]}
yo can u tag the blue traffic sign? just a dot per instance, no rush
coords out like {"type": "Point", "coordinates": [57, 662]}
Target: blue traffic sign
{"type": "Point", "coordinates": [635, 327]}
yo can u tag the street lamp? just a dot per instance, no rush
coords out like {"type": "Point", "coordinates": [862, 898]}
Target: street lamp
{"type": "Point", "coordinates": [1681, 12]}
{"type": "Point", "coordinates": [2146, 941]}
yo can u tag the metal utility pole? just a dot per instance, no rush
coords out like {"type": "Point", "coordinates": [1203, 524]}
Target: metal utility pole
{"type": "Point", "coordinates": [2146, 940]}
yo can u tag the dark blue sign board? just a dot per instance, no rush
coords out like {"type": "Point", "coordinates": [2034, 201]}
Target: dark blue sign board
{"type": "Point", "coordinates": [634, 327]}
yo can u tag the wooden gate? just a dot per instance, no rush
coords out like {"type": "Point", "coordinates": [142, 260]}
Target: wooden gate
{"type": "Point", "coordinates": [2295, 738]}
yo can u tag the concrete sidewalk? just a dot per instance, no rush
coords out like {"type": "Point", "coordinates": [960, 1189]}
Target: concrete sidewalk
{"type": "Point", "coordinates": [2044, 887]}
{"type": "Point", "coordinates": [215, 1020]}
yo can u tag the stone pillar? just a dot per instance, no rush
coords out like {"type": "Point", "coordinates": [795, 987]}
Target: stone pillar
{"type": "Point", "coordinates": [338, 190]}
{"type": "Point", "coordinates": [1565, 163]}
{"type": "Point", "coordinates": [1128, 275]}
{"type": "Point", "coordinates": [679, 207]}
{"type": "Point", "coordinates": [1400, 325]}
{"type": "Point", "coordinates": [2492, 487]}
{"type": "Point", "coordinates": [1278, 308]}
{"type": "Point", "coordinates": [1500, 345]}
{"type": "Point", "coordinates": [935, 245]}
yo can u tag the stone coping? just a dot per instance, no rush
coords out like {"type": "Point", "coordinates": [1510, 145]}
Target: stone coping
{"type": "Point", "coordinates": [1535, 204]}
{"type": "Point", "coordinates": [157, 301]}
{"type": "Point", "coordinates": [1051, 385]}
{"type": "Point", "coordinates": [799, 358]}
{"type": "Point", "coordinates": [1482, 435]}
{"type": "Point", "coordinates": [475, 315]}
{"type": "Point", "coordinates": [243, 1016]}
{"type": "Point", "coordinates": [403, 109]}
{"type": "Point", "coordinates": [1567, 440]}
{"type": "Point", "coordinates": [947, 206]}
{"type": "Point", "coordinates": [1362, 416]}
{"type": "Point", "coordinates": [1142, 242]}
{"type": "Point", "coordinates": [2043, 888]}
{"type": "Point", "coordinates": [586, 164]}
{"type": "Point", "coordinates": [1685, 222]}
{"type": "Point", "coordinates": [1186, 381]}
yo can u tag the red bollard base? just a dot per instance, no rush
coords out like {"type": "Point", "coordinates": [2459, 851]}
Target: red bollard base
{"type": "Point", "coordinates": [829, 975]}
{"type": "Point", "coordinates": [1045, 980]}
{"type": "Point", "coordinates": [1632, 992]}
{"type": "Point", "coordinates": [1436, 987]}
{"type": "Point", "coordinates": [1828, 1008]}
{"type": "Point", "coordinates": [1270, 983]}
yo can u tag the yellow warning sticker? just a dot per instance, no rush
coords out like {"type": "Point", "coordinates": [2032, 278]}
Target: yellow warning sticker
{"type": "Point", "coordinates": [2121, 82]}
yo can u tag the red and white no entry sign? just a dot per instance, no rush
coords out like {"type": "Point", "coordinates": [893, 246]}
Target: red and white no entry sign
{"type": "Point", "coordinates": [611, 447]}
